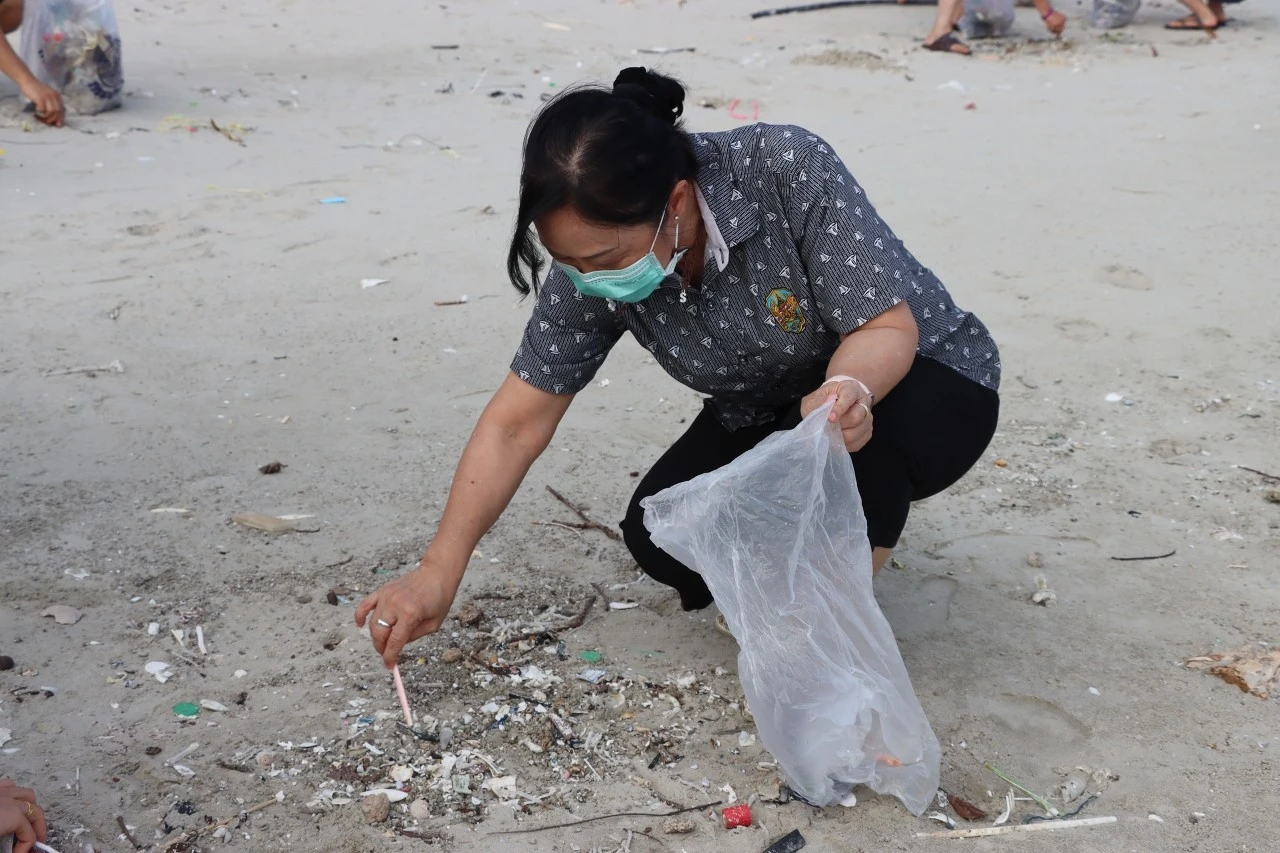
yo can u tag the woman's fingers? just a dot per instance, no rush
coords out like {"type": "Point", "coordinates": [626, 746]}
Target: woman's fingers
{"type": "Point", "coordinates": [13, 820]}
{"type": "Point", "coordinates": [38, 823]}
{"type": "Point", "coordinates": [398, 637]}
{"type": "Point", "coordinates": [365, 607]}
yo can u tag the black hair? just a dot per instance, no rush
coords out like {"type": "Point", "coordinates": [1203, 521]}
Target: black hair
{"type": "Point", "coordinates": [613, 155]}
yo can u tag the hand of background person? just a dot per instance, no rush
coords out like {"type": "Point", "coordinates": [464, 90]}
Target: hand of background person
{"type": "Point", "coordinates": [1056, 22]}
{"type": "Point", "coordinates": [20, 815]}
{"type": "Point", "coordinates": [47, 101]}
{"type": "Point", "coordinates": [852, 410]}
{"type": "Point", "coordinates": [414, 605]}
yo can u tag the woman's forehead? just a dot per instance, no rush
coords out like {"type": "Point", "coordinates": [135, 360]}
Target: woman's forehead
{"type": "Point", "coordinates": [565, 232]}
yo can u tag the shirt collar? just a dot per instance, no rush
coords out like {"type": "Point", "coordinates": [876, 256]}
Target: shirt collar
{"type": "Point", "coordinates": [716, 246]}
{"type": "Point", "coordinates": [736, 217]}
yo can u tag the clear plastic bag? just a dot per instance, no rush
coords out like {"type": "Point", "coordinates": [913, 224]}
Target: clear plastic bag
{"type": "Point", "coordinates": [987, 18]}
{"type": "Point", "coordinates": [780, 538]}
{"type": "Point", "coordinates": [74, 46]}
{"type": "Point", "coordinates": [1112, 14]}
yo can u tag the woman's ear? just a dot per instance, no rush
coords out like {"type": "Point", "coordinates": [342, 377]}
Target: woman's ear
{"type": "Point", "coordinates": [683, 201]}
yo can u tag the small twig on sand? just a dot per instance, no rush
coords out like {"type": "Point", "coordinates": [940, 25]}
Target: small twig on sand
{"type": "Point", "coordinates": [447, 302]}
{"type": "Point", "coordinates": [1152, 557]}
{"type": "Point", "coordinates": [192, 835]}
{"type": "Point", "coordinates": [576, 622]}
{"type": "Point", "coordinates": [619, 814]}
{"type": "Point", "coordinates": [587, 523]}
{"type": "Point", "coordinates": [124, 829]}
{"type": "Point", "coordinates": [604, 595]}
{"type": "Point", "coordinates": [1259, 473]}
{"type": "Point", "coordinates": [227, 133]}
{"type": "Point", "coordinates": [573, 528]}
{"type": "Point", "coordinates": [433, 835]}
{"type": "Point", "coordinates": [1048, 825]}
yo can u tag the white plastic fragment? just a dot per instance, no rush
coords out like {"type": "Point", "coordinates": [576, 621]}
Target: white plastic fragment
{"type": "Point", "coordinates": [160, 670]}
{"type": "Point", "coordinates": [1043, 596]}
{"type": "Point", "coordinates": [746, 739]}
{"type": "Point", "coordinates": [367, 283]}
{"type": "Point", "coordinates": [1156, 818]}
{"type": "Point", "coordinates": [184, 771]}
{"type": "Point", "coordinates": [171, 510]}
{"type": "Point", "coordinates": [942, 818]}
{"type": "Point", "coordinates": [153, 629]}
{"type": "Point", "coordinates": [391, 794]}
{"type": "Point", "coordinates": [1003, 817]}
{"type": "Point", "coordinates": [240, 673]}
{"type": "Point", "coordinates": [63, 614]}
{"type": "Point", "coordinates": [849, 801]}
{"type": "Point", "coordinates": [401, 773]}
{"type": "Point", "coordinates": [6, 735]}
{"type": "Point", "coordinates": [213, 705]}
{"type": "Point", "coordinates": [623, 605]}
{"type": "Point", "coordinates": [200, 640]}
{"type": "Point", "coordinates": [1114, 397]}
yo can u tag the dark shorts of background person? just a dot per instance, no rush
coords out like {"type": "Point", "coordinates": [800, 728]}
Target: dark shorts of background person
{"type": "Point", "coordinates": [928, 432]}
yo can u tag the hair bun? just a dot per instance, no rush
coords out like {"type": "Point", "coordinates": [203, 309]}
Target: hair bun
{"type": "Point", "coordinates": [658, 95]}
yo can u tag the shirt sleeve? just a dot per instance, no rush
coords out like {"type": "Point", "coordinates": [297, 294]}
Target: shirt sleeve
{"type": "Point", "coordinates": [857, 267]}
{"type": "Point", "coordinates": [566, 339]}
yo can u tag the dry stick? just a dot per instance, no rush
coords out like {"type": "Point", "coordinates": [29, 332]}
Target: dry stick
{"type": "Point", "coordinates": [127, 834]}
{"type": "Point", "coordinates": [1259, 473]}
{"type": "Point", "coordinates": [588, 524]}
{"type": "Point", "coordinates": [227, 133]}
{"type": "Point", "coordinates": [610, 817]}
{"type": "Point", "coordinates": [1152, 557]}
{"type": "Point", "coordinates": [1047, 826]}
{"type": "Point", "coordinates": [576, 622]}
{"type": "Point", "coordinates": [187, 837]}
{"type": "Point", "coordinates": [573, 528]}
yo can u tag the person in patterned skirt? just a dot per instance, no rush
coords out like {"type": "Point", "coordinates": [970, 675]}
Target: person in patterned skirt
{"type": "Point", "coordinates": [754, 269]}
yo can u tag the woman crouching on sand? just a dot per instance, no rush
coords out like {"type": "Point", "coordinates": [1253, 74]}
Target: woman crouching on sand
{"type": "Point", "coordinates": [753, 268]}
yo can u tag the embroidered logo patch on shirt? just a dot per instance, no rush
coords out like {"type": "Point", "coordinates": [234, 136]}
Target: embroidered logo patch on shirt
{"type": "Point", "coordinates": [786, 310]}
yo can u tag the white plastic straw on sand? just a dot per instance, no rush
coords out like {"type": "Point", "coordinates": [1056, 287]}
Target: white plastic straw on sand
{"type": "Point", "coordinates": [404, 699]}
{"type": "Point", "coordinates": [45, 847]}
{"type": "Point", "coordinates": [1042, 826]}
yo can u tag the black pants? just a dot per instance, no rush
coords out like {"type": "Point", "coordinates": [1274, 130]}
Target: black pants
{"type": "Point", "coordinates": [928, 432]}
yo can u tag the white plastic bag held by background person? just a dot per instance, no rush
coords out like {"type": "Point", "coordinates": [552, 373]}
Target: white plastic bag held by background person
{"type": "Point", "coordinates": [987, 18]}
{"type": "Point", "coordinates": [74, 46]}
{"type": "Point", "coordinates": [780, 538]}
{"type": "Point", "coordinates": [1111, 14]}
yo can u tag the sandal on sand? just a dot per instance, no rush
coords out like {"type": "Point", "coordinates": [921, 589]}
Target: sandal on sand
{"type": "Point", "coordinates": [1191, 22]}
{"type": "Point", "coordinates": [947, 44]}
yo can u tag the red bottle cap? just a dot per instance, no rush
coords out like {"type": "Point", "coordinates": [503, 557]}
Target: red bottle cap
{"type": "Point", "coordinates": [736, 816]}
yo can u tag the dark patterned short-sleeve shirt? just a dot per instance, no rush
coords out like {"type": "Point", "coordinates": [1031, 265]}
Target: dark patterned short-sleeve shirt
{"type": "Point", "coordinates": [809, 261]}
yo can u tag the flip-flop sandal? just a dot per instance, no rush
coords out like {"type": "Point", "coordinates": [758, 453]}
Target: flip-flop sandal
{"type": "Point", "coordinates": [1191, 23]}
{"type": "Point", "coordinates": [944, 44]}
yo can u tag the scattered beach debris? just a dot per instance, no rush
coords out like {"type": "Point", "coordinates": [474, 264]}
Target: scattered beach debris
{"type": "Point", "coordinates": [789, 843]}
{"type": "Point", "coordinates": [1150, 557]}
{"type": "Point", "coordinates": [160, 670]}
{"type": "Point", "coordinates": [677, 826]}
{"type": "Point", "coordinates": [89, 370]}
{"type": "Point", "coordinates": [187, 709]}
{"type": "Point", "coordinates": [271, 523]}
{"type": "Point", "coordinates": [367, 283]}
{"type": "Point", "coordinates": [943, 818]}
{"type": "Point", "coordinates": [736, 816]}
{"type": "Point", "coordinates": [1254, 669]}
{"type": "Point", "coordinates": [1223, 534]}
{"type": "Point", "coordinates": [1003, 817]}
{"type": "Point", "coordinates": [63, 614]}
{"type": "Point", "coordinates": [334, 199]}
{"type": "Point", "coordinates": [964, 808]}
{"type": "Point", "coordinates": [1043, 596]}
{"type": "Point", "coordinates": [6, 663]}
{"type": "Point", "coordinates": [662, 51]}
{"type": "Point", "coordinates": [229, 133]}
{"type": "Point", "coordinates": [1047, 825]}
{"type": "Point", "coordinates": [272, 468]}
{"type": "Point", "coordinates": [586, 522]}
{"type": "Point", "coordinates": [461, 300]}
{"type": "Point", "coordinates": [172, 510]}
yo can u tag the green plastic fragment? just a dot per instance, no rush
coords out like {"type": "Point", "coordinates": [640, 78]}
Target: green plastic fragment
{"type": "Point", "coordinates": [590, 657]}
{"type": "Point", "coordinates": [186, 709]}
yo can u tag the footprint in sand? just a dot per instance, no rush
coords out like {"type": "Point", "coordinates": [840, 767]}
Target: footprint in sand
{"type": "Point", "coordinates": [1038, 718]}
{"type": "Point", "coordinates": [1129, 278]}
{"type": "Point", "coordinates": [927, 607]}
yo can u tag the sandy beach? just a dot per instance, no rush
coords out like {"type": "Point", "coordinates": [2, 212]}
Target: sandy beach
{"type": "Point", "coordinates": [1100, 201]}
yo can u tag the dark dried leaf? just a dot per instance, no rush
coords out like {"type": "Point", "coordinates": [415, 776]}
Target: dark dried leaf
{"type": "Point", "coordinates": [964, 808]}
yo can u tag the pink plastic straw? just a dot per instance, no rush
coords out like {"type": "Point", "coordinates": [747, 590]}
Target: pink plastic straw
{"type": "Point", "coordinates": [404, 699]}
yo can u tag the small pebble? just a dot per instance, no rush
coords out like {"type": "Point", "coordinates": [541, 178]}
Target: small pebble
{"type": "Point", "coordinates": [679, 825]}
{"type": "Point", "coordinates": [6, 663]}
{"type": "Point", "coordinates": [376, 808]}
{"type": "Point", "coordinates": [451, 656]}
{"type": "Point", "coordinates": [420, 810]}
